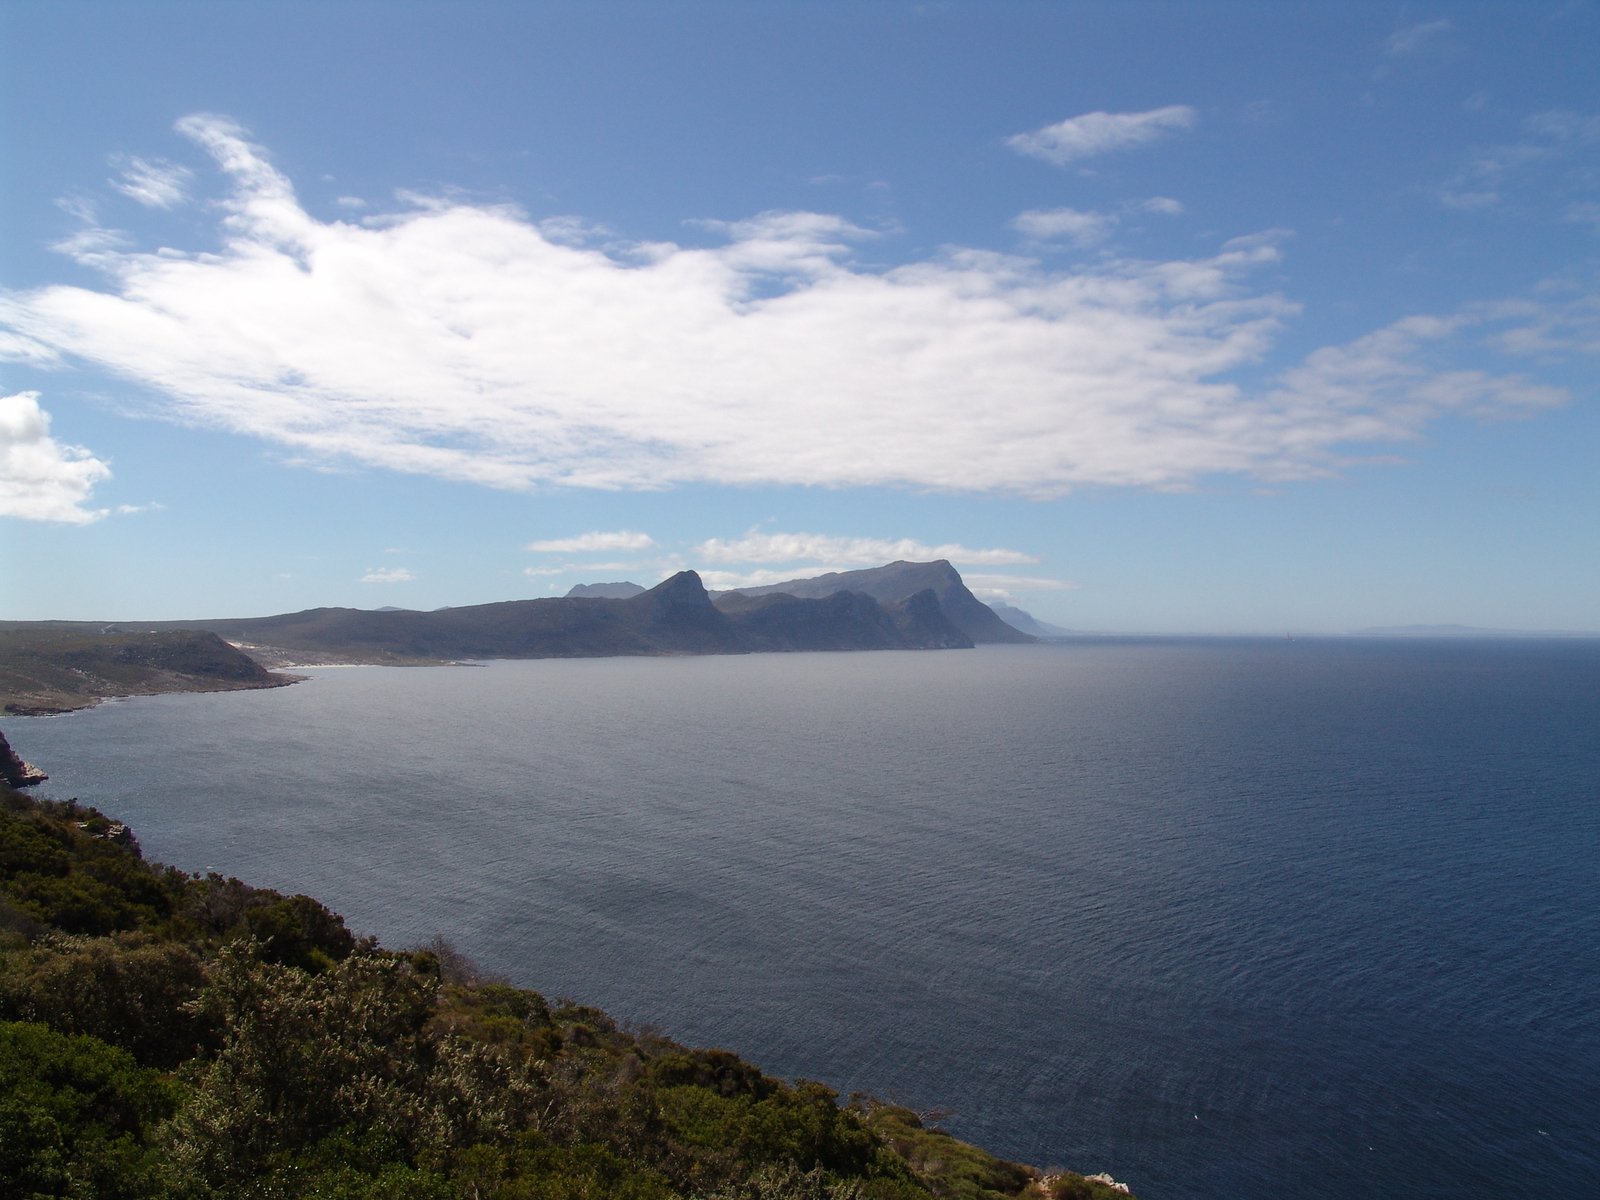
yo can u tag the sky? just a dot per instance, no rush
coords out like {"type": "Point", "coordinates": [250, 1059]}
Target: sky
{"type": "Point", "coordinates": [1170, 318]}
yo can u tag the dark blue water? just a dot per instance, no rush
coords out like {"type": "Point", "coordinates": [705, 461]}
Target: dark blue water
{"type": "Point", "coordinates": [1225, 918]}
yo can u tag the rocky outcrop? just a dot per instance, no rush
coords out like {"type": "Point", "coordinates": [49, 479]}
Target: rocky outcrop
{"type": "Point", "coordinates": [14, 771]}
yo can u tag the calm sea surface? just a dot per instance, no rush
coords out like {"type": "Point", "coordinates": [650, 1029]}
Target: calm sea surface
{"type": "Point", "coordinates": [1226, 918]}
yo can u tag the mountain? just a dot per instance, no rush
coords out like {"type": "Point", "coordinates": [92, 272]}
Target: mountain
{"type": "Point", "coordinates": [58, 666]}
{"type": "Point", "coordinates": [843, 621]}
{"type": "Point", "coordinates": [900, 580]}
{"type": "Point", "coordinates": [621, 590]}
{"type": "Point", "coordinates": [1028, 623]}
{"type": "Point", "coordinates": [676, 616]}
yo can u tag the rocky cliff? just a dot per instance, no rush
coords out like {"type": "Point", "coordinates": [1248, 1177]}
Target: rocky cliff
{"type": "Point", "coordinates": [13, 771]}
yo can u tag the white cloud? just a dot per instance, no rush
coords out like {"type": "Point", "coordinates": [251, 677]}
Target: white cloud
{"type": "Point", "coordinates": [388, 575]}
{"type": "Point", "coordinates": [588, 569]}
{"type": "Point", "coordinates": [1414, 37]}
{"type": "Point", "coordinates": [1165, 205]}
{"type": "Point", "coordinates": [157, 184]}
{"type": "Point", "coordinates": [464, 342]}
{"type": "Point", "coordinates": [1085, 229]}
{"type": "Point", "coordinates": [757, 546]}
{"type": "Point", "coordinates": [1100, 132]}
{"type": "Point", "coordinates": [595, 541]}
{"type": "Point", "coordinates": [42, 479]}
{"type": "Point", "coordinates": [1008, 588]}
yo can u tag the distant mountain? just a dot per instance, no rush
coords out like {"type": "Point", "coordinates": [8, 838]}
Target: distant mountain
{"type": "Point", "coordinates": [901, 580]}
{"type": "Point", "coordinates": [676, 616]}
{"type": "Point", "coordinates": [1028, 623]}
{"type": "Point", "coordinates": [1465, 631]}
{"type": "Point", "coordinates": [621, 590]}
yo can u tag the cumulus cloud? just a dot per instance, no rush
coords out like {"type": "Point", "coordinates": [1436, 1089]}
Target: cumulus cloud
{"type": "Point", "coordinates": [42, 479]}
{"type": "Point", "coordinates": [157, 184]}
{"type": "Point", "coordinates": [596, 541]}
{"type": "Point", "coordinates": [759, 546]}
{"type": "Point", "coordinates": [468, 342]}
{"type": "Point", "coordinates": [1100, 133]}
{"type": "Point", "coordinates": [387, 575]}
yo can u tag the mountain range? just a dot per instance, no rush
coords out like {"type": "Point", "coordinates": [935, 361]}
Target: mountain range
{"type": "Point", "coordinates": [903, 606]}
{"type": "Point", "coordinates": [49, 666]}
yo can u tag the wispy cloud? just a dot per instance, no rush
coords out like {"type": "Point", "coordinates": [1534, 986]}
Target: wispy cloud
{"type": "Point", "coordinates": [158, 184]}
{"type": "Point", "coordinates": [770, 547]}
{"type": "Point", "coordinates": [388, 575]}
{"type": "Point", "coordinates": [587, 569]}
{"type": "Point", "coordinates": [42, 479]}
{"type": "Point", "coordinates": [596, 541]}
{"type": "Point", "coordinates": [1084, 229]}
{"type": "Point", "coordinates": [1413, 38]}
{"type": "Point", "coordinates": [1006, 587]}
{"type": "Point", "coordinates": [1100, 133]}
{"type": "Point", "coordinates": [461, 341]}
{"type": "Point", "coordinates": [1551, 143]}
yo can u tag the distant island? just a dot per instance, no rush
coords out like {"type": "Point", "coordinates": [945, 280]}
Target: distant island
{"type": "Point", "coordinates": [52, 666]}
{"type": "Point", "coordinates": [1465, 631]}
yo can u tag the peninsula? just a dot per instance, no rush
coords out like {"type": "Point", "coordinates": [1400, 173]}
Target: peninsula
{"type": "Point", "coordinates": [58, 666]}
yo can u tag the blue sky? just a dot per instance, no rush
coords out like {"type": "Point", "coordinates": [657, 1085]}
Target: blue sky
{"type": "Point", "coordinates": [1210, 318]}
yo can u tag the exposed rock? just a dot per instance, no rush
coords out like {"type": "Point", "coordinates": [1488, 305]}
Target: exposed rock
{"type": "Point", "coordinates": [16, 772]}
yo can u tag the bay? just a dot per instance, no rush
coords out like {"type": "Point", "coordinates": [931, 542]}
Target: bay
{"type": "Point", "coordinates": [1224, 917]}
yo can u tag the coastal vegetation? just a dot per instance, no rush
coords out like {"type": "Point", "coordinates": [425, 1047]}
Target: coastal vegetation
{"type": "Point", "coordinates": [165, 1034]}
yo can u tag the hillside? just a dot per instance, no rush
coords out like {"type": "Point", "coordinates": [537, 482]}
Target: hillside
{"type": "Point", "coordinates": [177, 1036]}
{"type": "Point", "coordinates": [1028, 623]}
{"type": "Point", "coordinates": [51, 667]}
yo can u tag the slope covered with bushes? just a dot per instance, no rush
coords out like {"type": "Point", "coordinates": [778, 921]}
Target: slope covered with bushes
{"type": "Point", "coordinates": [173, 1035]}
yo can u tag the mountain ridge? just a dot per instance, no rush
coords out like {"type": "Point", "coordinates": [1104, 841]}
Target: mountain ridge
{"type": "Point", "coordinates": [60, 666]}
{"type": "Point", "coordinates": [900, 579]}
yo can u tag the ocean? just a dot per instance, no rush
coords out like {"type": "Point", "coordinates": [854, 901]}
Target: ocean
{"type": "Point", "coordinates": [1223, 917]}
